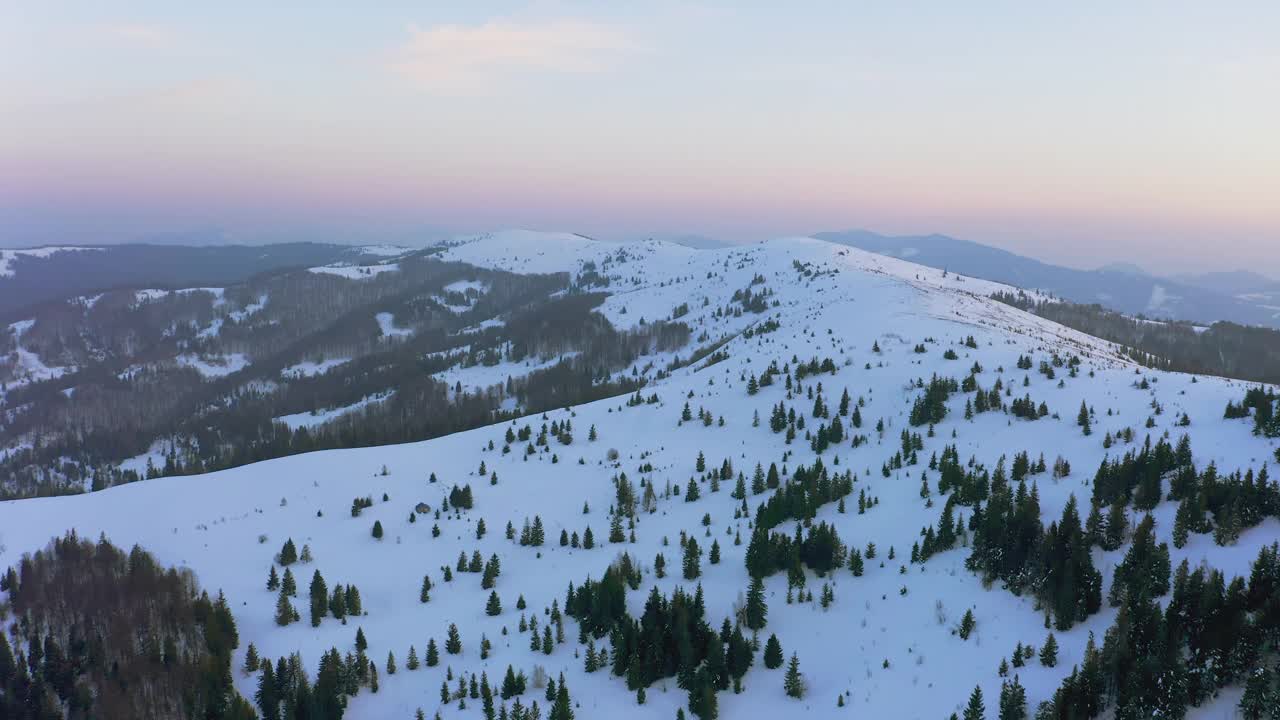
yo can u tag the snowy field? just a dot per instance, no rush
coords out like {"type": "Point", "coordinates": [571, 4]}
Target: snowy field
{"type": "Point", "coordinates": [887, 643]}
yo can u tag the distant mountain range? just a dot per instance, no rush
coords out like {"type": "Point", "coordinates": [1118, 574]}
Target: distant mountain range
{"type": "Point", "coordinates": [1239, 297]}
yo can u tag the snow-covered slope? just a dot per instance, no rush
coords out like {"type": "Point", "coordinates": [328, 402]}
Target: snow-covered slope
{"type": "Point", "coordinates": [887, 640]}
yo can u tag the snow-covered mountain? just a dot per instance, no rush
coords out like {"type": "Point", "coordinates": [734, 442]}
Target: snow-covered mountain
{"type": "Point", "coordinates": [887, 644]}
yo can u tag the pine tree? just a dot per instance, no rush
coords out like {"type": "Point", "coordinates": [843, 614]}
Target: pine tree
{"type": "Point", "coordinates": [412, 661]}
{"type": "Point", "coordinates": [561, 708]}
{"type": "Point", "coordinates": [714, 556]}
{"type": "Point", "coordinates": [285, 613]}
{"type": "Point", "coordinates": [967, 624]}
{"type": "Point", "coordinates": [361, 643]}
{"type": "Point", "coordinates": [319, 599]}
{"type": "Point", "coordinates": [1013, 701]}
{"type": "Point", "coordinates": [494, 606]}
{"type": "Point", "coordinates": [976, 709]}
{"type": "Point", "coordinates": [288, 553]}
{"type": "Point", "coordinates": [251, 659]}
{"type": "Point", "coordinates": [433, 655]}
{"type": "Point", "coordinates": [773, 653]}
{"type": "Point", "coordinates": [453, 644]}
{"type": "Point", "coordinates": [692, 560]}
{"type": "Point", "coordinates": [425, 594]}
{"type": "Point", "coordinates": [1259, 697]}
{"type": "Point", "coordinates": [391, 663]}
{"type": "Point", "coordinates": [377, 529]}
{"type": "Point", "coordinates": [757, 611]}
{"type": "Point", "coordinates": [793, 683]}
{"type": "Point", "coordinates": [273, 580]}
{"type": "Point", "coordinates": [1049, 651]}
{"type": "Point", "coordinates": [288, 585]}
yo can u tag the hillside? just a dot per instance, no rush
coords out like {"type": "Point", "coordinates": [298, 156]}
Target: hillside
{"type": "Point", "coordinates": [789, 326]}
{"type": "Point", "coordinates": [31, 277]}
{"type": "Point", "coordinates": [1120, 287]}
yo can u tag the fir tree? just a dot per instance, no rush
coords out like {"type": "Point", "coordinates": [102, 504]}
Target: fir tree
{"type": "Point", "coordinates": [433, 655]}
{"type": "Point", "coordinates": [285, 613]}
{"type": "Point", "coordinates": [1049, 651]}
{"type": "Point", "coordinates": [773, 653]}
{"type": "Point", "coordinates": [692, 560]}
{"type": "Point", "coordinates": [793, 683]}
{"type": "Point", "coordinates": [319, 599]}
{"type": "Point", "coordinates": [1013, 701]}
{"type": "Point", "coordinates": [976, 709]}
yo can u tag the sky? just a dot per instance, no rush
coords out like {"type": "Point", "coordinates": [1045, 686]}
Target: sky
{"type": "Point", "coordinates": [1082, 133]}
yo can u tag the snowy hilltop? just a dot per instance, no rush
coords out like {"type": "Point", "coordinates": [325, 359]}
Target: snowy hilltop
{"type": "Point", "coordinates": [856, 487]}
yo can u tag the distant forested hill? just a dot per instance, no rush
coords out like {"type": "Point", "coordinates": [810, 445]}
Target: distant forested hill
{"type": "Point", "coordinates": [41, 275]}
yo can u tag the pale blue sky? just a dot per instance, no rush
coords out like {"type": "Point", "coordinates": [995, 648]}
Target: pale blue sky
{"type": "Point", "coordinates": [1085, 133]}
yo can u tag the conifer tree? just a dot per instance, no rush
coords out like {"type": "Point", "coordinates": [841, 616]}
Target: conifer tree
{"type": "Point", "coordinates": [756, 611]}
{"type": "Point", "coordinates": [793, 683]}
{"type": "Point", "coordinates": [251, 659]}
{"type": "Point", "coordinates": [288, 553]}
{"type": "Point", "coordinates": [1013, 701]}
{"type": "Point", "coordinates": [289, 586]}
{"type": "Point", "coordinates": [433, 655]}
{"type": "Point", "coordinates": [453, 644]}
{"type": "Point", "coordinates": [561, 708]}
{"type": "Point", "coordinates": [285, 613]}
{"type": "Point", "coordinates": [1049, 651]}
{"type": "Point", "coordinates": [377, 529]}
{"type": "Point", "coordinates": [976, 709]}
{"type": "Point", "coordinates": [412, 661]}
{"type": "Point", "coordinates": [1259, 696]}
{"type": "Point", "coordinates": [692, 560]}
{"type": "Point", "coordinates": [773, 653]}
{"type": "Point", "coordinates": [425, 594]}
{"type": "Point", "coordinates": [494, 606]}
{"type": "Point", "coordinates": [319, 598]}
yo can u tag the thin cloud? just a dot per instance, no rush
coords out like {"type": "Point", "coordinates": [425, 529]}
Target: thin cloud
{"type": "Point", "coordinates": [140, 35]}
{"type": "Point", "coordinates": [472, 58]}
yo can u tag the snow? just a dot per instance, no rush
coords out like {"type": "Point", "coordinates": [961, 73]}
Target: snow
{"type": "Point", "coordinates": [849, 300]}
{"type": "Point", "coordinates": [462, 286]}
{"type": "Point", "coordinates": [215, 366]}
{"type": "Point", "coordinates": [480, 377]}
{"type": "Point", "coordinates": [27, 366]}
{"type": "Point", "coordinates": [8, 256]}
{"type": "Point", "coordinates": [387, 323]}
{"type": "Point", "coordinates": [142, 296]}
{"type": "Point", "coordinates": [356, 272]}
{"type": "Point", "coordinates": [311, 368]}
{"type": "Point", "coordinates": [384, 250]}
{"type": "Point", "coordinates": [249, 310]}
{"type": "Point", "coordinates": [212, 331]}
{"type": "Point", "coordinates": [312, 419]}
